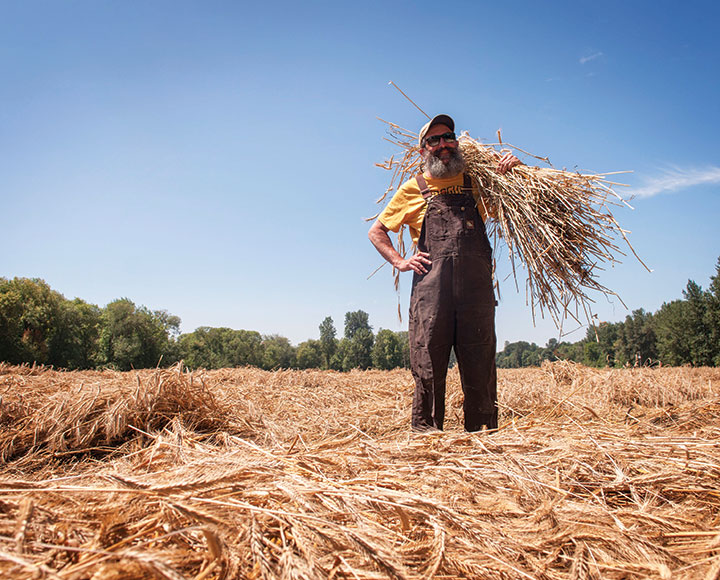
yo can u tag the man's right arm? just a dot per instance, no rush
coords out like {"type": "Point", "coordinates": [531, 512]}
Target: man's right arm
{"type": "Point", "coordinates": [379, 237]}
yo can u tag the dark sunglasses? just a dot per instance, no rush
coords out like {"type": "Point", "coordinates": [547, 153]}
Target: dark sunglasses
{"type": "Point", "coordinates": [434, 141]}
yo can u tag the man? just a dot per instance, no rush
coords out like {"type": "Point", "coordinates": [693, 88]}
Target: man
{"type": "Point", "coordinates": [452, 302]}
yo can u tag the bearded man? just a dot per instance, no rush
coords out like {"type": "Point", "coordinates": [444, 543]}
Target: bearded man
{"type": "Point", "coordinates": [452, 304]}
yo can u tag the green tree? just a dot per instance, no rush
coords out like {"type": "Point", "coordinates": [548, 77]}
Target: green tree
{"type": "Point", "coordinates": [713, 314]}
{"type": "Point", "coordinates": [404, 343]}
{"type": "Point", "coordinates": [518, 355]}
{"type": "Point", "coordinates": [74, 343]}
{"type": "Point", "coordinates": [359, 350]}
{"type": "Point", "coordinates": [636, 342]}
{"type": "Point", "coordinates": [29, 313]}
{"type": "Point", "coordinates": [243, 348]}
{"type": "Point", "coordinates": [37, 324]}
{"type": "Point", "coordinates": [337, 362]}
{"type": "Point", "coordinates": [133, 337]}
{"type": "Point", "coordinates": [701, 349]}
{"type": "Point", "coordinates": [387, 351]}
{"type": "Point", "coordinates": [599, 345]}
{"type": "Point", "coordinates": [278, 353]}
{"type": "Point", "coordinates": [355, 321]}
{"type": "Point", "coordinates": [358, 333]}
{"type": "Point", "coordinates": [310, 355]}
{"type": "Point", "coordinates": [673, 329]}
{"type": "Point", "coordinates": [550, 350]}
{"type": "Point", "coordinates": [196, 347]}
{"type": "Point", "coordinates": [531, 357]}
{"type": "Point", "coordinates": [573, 351]}
{"type": "Point", "coordinates": [328, 342]}
{"type": "Point", "coordinates": [217, 348]}
{"type": "Point", "coordinates": [592, 354]}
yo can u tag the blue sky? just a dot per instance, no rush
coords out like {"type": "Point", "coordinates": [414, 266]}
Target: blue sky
{"type": "Point", "coordinates": [216, 159]}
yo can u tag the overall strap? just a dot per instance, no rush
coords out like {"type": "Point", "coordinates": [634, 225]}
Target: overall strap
{"type": "Point", "coordinates": [468, 189]}
{"type": "Point", "coordinates": [424, 189]}
{"type": "Point", "coordinates": [467, 184]}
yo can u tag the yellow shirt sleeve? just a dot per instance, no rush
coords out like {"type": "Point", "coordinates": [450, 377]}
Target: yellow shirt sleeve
{"type": "Point", "coordinates": [407, 206]}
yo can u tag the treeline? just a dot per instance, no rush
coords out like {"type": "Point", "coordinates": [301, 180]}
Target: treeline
{"type": "Point", "coordinates": [39, 325]}
{"type": "Point", "coordinates": [214, 348]}
{"type": "Point", "coordinates": [681, 332]}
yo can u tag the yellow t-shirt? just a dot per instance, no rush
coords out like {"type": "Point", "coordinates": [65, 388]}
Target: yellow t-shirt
{"type": "Point", "coordinates": [408, 206]}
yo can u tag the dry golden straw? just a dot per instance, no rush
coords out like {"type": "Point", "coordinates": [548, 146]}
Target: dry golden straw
{"type": "Point", "coordinates": [315, 474]}
{"type": "Point", "coordinates": [557, 224]}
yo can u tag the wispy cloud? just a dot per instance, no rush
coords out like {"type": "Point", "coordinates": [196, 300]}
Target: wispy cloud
{"type": "Point", "coordinates": [593, 56]}
{"type": "Point", "coordinates": [676, 179]}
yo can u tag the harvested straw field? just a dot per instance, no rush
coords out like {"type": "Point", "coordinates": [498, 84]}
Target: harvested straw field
{"type": "Point", "coordinates": [244, 473]}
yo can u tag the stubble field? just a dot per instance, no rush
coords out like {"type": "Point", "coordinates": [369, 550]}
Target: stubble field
{"type": "Point", "coordinates": [244, 473]}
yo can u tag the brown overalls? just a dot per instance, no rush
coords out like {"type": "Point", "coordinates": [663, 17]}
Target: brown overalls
{"type": "Point", "coordinates": [453, 305]}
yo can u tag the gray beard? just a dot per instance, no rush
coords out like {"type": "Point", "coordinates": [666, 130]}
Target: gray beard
{"type": "Point", "coordinates": [438, 168]}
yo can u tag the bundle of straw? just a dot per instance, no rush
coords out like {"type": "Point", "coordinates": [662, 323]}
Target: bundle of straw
{"type": "Point", "coordinates": [558, 224]}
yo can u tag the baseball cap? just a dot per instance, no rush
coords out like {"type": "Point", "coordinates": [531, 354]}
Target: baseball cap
{"type": "Point", "coordinates": [436, 120]}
